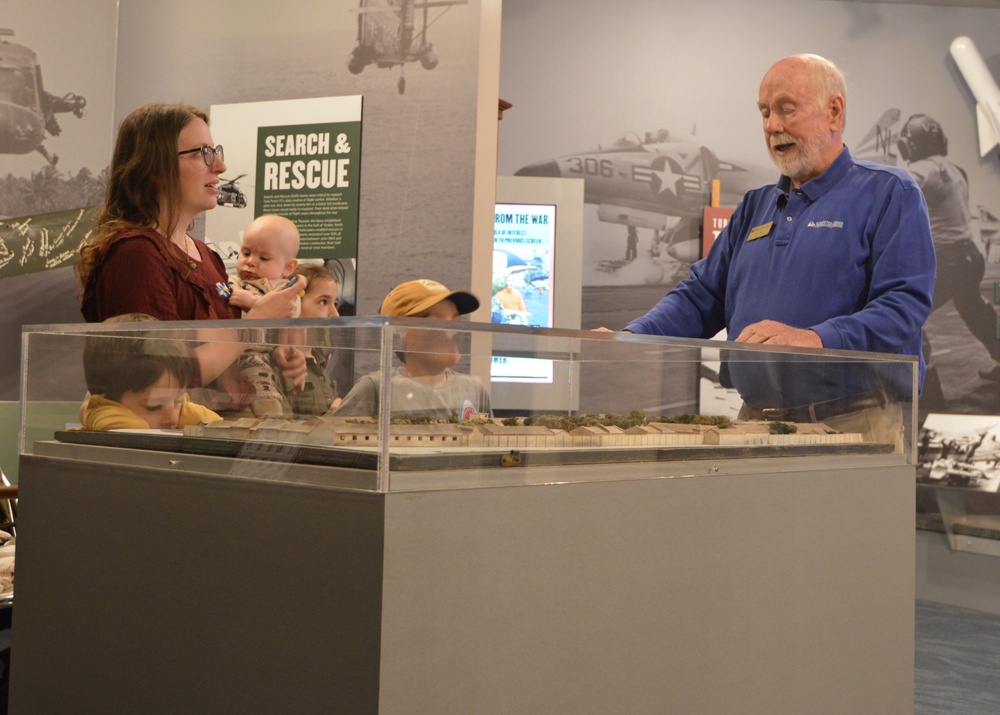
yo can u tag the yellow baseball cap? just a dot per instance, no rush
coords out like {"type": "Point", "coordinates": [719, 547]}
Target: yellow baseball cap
{"type": "Point", "coordinates": [414, 297]}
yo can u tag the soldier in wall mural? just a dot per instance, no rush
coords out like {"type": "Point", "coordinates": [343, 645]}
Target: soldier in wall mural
{"type": "Point", "coordinates": [961, 265]}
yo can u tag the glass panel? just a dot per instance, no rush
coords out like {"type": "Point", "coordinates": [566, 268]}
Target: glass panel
{"type": "Point", "coordinates": [401, 404]}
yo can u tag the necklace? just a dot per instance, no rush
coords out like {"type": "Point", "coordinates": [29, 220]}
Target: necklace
{"type": "Point", "coordinates": [188, 248]}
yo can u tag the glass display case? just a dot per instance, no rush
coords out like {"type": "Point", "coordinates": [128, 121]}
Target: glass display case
{"type": "Point", "coordinates": [396, 403]}
{"type": "Point", "coordinates": [494, 519]}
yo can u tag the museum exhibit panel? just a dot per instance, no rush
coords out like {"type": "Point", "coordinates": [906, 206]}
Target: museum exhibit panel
{"type": "Point", "coordinates": [604, 547]}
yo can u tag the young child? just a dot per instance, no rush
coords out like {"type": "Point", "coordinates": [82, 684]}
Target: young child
{"type": "Point", "coordinates": [277, 396]}
{"type": "Point", "coordinates": [425, 384]}
{"type": "Point", "coordinates": [266, 261]}
{"type": "Point", "coordinates": [138, 381]}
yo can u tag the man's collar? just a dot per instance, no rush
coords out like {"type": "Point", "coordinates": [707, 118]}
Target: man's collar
{"type": "Point", "coordinates": [814, 188]}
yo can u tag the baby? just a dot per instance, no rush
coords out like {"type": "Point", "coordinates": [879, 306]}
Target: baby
{"type": "Point", "coordinates": [138, 381]}
{"type": "Point", "coordinates": [266, 261]}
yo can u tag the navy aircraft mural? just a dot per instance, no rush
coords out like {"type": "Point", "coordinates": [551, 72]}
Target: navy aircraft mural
{"type": "Point", "coordinates": [661, 183]}
{"type": "Point", "coordinates": [655, 182]}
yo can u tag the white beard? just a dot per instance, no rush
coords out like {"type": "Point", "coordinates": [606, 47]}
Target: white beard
{"type": "Point", "coordinates": [802, 159]}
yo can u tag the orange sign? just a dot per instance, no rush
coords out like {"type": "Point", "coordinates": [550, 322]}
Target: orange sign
{"type": "Point", "coordinates": [714, 220]}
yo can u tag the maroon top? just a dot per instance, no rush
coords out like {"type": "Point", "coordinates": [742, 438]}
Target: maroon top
{"type": "Point", "coordinates": [135, 272]}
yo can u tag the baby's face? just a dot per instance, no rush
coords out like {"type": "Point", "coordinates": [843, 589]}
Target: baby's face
{"type": "Point", "coordinates": [320, 300]}
{"type": "Point", "coordinates": [159, 405]}
{"type": "Point", "coordinates": [263, 255]}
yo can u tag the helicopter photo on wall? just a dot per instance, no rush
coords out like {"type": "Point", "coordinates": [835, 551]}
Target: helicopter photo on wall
{"type": "Point", "coordinates": [56, 130]}
{"type": "Point", "coordinates": [29, 110]}
{"type": "Point", "coordinates": [230, 193]}
{"type": "Point", "coordinates": [55, 111]}
{"type": "Point", "coordinates": [393, 33]}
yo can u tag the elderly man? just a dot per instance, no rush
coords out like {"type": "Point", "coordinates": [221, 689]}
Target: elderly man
{"type": "Point", "coordinates": [836, 254]}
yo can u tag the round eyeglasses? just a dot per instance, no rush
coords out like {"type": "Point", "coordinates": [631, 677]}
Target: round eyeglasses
{"type": "Point", "coordinates": [208, 153]}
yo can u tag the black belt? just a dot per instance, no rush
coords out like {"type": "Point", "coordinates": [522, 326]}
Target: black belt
{"type": "Point", "coordinates": [820, 411]}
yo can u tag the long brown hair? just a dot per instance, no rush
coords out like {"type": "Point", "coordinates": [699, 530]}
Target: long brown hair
{"type": "Point", "coordinates": [145, 177]}
{"type": "Point", "coordinates": [314, 273]}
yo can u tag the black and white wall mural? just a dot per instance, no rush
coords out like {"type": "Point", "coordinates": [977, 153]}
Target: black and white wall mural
{"type": "Point", "coordinates": [650, 101]}
{"type": "Point", "coordinates": [56, 94]}
{"type": "Point", "coordinates": [416, 68]}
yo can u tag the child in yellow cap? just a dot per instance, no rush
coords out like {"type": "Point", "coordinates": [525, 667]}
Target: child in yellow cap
{"type": "Point", "coordinates": [425, 385]}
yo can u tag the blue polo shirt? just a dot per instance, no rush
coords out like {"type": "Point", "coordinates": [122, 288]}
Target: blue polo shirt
{"type": "Point", "coordinates": [848, 255]}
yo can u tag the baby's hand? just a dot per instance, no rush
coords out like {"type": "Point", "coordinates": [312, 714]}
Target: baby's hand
{"type": "Point", "coordinates": [281, 302]}
{"type": "Point", "coordinates": [242, 298]}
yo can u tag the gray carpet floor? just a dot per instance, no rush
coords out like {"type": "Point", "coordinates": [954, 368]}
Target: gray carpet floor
{"type": "Point", "coordinates": [957, 665]}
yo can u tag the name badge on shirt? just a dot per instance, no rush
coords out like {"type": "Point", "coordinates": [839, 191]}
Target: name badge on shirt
{"type": "Point", "coordinates": [760, 231]}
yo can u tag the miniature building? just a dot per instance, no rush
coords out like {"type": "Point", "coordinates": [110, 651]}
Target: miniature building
{"type": "Point", "coordinates": [226, 429]}
{"type": "Point", "coordinates": [599, 436]}
{"type": "Point", "coordinates": [667, 434]}
{"type": "Point", "coordinates": [305, 432]}
{"type": "Point", "coordinates": [351, 433]}
{"type": "Point", "coordinates": [517, 437]}
{"type": "Point", "coordinates": [740, 433]}
{"type": "Point", "coordinates": [355, 434]}
{"type": "Point", "coordinates": [432, 435]}
{"type": "Point", "coordinates": [268, 429]}
{"type": "Point", "coordinates": [311, 431]}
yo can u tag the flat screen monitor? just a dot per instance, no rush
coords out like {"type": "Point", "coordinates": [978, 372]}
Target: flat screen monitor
{"type": "Point", "coordinates": [538, 245]}
{"type": "Point", "coordinates": [524, 245]}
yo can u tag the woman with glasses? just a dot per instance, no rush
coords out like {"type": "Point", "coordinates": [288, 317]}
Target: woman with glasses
{"type": "Point", "coordinates": [140, 259]}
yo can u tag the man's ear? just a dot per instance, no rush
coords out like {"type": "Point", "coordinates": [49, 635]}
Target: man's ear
{"type": "Point", "coordinates": [836, 108]}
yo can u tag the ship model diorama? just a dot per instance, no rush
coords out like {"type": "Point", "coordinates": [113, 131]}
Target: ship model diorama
{"type": "Point", "coordinates": [483, 442]}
